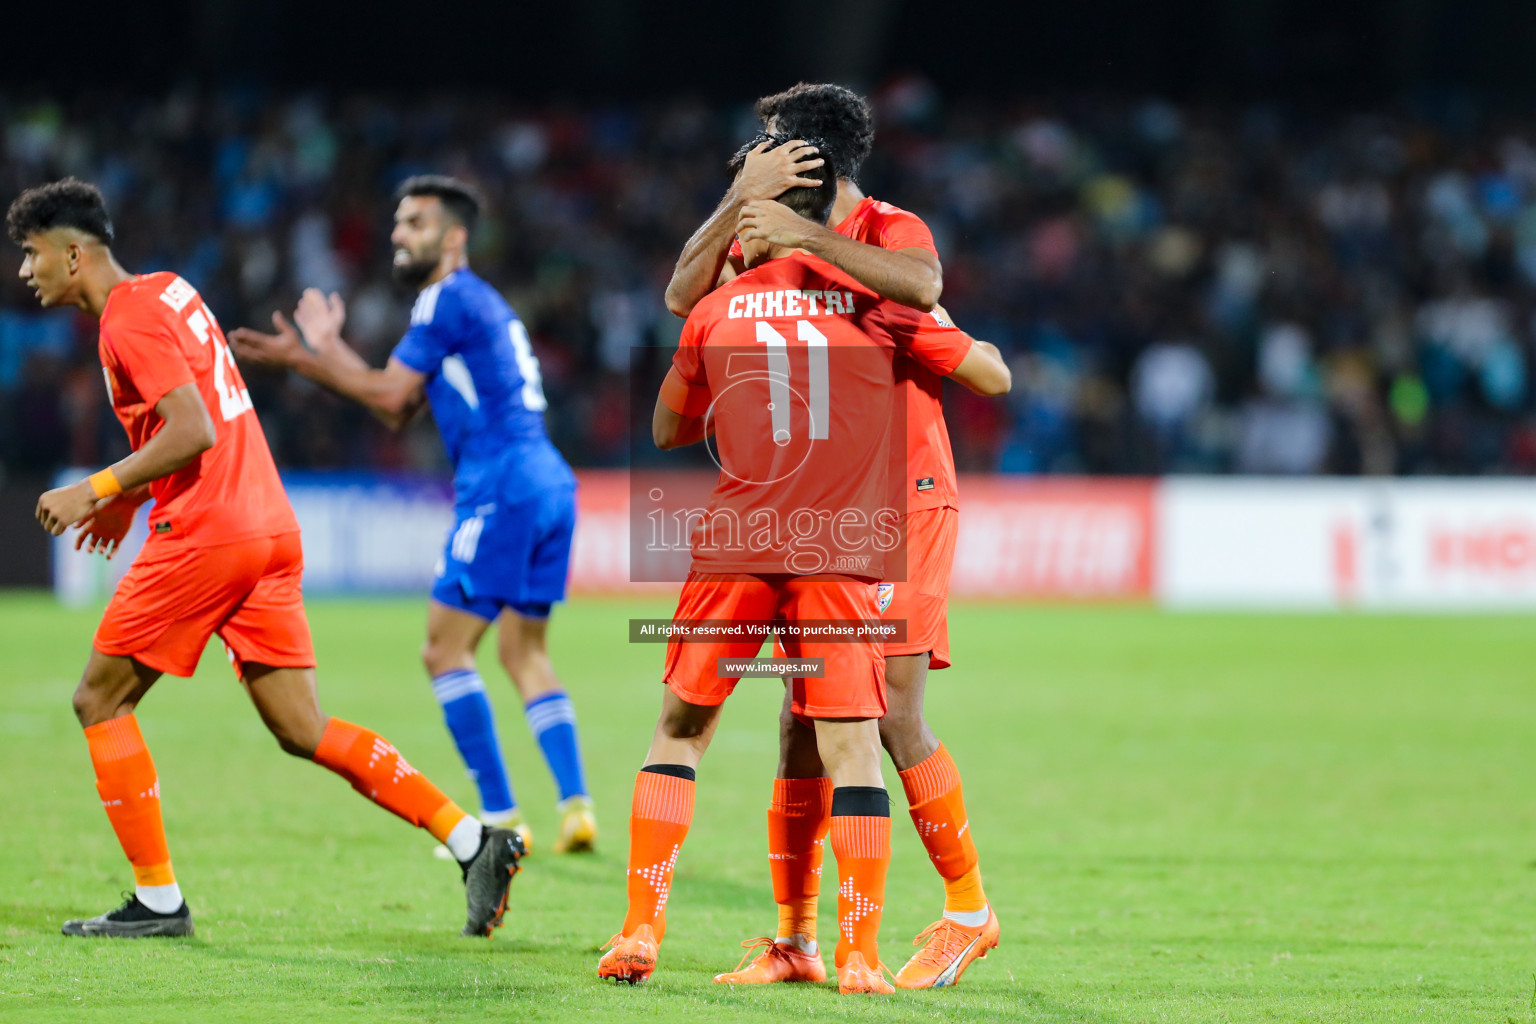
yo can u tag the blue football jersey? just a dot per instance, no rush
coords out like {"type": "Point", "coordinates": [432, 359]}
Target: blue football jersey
{"type": "Point", "coordinates": [484, 387]}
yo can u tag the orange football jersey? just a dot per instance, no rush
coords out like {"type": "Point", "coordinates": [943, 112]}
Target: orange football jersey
{"type": "Point", "coordinates": [156, 335]}
{"type": "Point", "coordinates": [794, 359]}
{"type": "Point", "coordinates": [930, 462]}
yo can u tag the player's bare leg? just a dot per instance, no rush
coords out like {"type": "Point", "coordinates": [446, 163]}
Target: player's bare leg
{"type": "Point", "coordinates": [683, 731]}
{"type": "Point", "coordinates": [904, 732]}
{"type": "Point", "coordinates": [968, 928]}
{"type": "Point", "coordinates": [659, 817]}
{"type": "Point", "coordinates": [522, 642]}
{"type": "Point", "coordinates": [861, 842]}
{"type": "Point", "coordinates": [453, 637]}
{"type": "Point", "coordinates": [104, 702]}
{"type": "Point", "coordinates": [799, 757]}
{"type": "Point", "coordinates": [523, 646]}
{"type": "Point", "coordinates": [111, 686]}
{"type": "Point", "coordinates": [288, 704]}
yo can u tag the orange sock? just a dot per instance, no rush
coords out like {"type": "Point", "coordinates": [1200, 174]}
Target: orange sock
{"type": "Point", "coordinates": [938, 811]}
{"type": "Point", "coordinates": [798, 820]}
{"type": "Point", "coordinates": [658, 824]}
{"type": "Point", "coordinates": [130, 792]}
{"type": "Point", "coordinates": [862, 846]}
{"type": "Point", "coordinates": [377, 771]}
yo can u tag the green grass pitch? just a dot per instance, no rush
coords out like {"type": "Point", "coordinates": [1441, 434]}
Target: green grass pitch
{"type": "Point", "coordinates": [1181, 818]}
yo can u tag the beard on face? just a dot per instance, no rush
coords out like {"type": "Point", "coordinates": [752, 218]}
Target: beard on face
{"type": "Point", "coordinates": [414, 272]}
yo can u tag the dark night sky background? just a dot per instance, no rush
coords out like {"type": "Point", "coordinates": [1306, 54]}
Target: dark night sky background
{"type": "Point", "coordinates": [1305, 50]}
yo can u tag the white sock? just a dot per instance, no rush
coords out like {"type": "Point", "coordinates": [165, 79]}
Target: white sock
{"type": "Point", "coordinates": [495, 818]}
{"type": "Point", "coordinates": [800, 942]}
{"type": "Point", "coordinates": [162, 899]}
{"type": "Point", "coordinates": [464, 841]}
{"type": "Point", "coordinates": [969, 918]}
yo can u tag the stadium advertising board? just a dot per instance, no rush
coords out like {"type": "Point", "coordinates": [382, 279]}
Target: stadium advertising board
{"type": "Point", "coordinates": [366, 533]}
{"type": "Point", "coordinates": [1261, 543]}
{"type": "Point", "coordinates": [1053, 539]}
{"type": "Point", "coordinates": [1424, 544]}
{"type": "Point", "coordinates": [1184, 542]}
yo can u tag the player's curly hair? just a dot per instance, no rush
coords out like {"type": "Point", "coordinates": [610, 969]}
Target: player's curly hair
{"type": "Point", "coordinates": [70, 203]}
{"type": "Point", "coordinates": [461, 199]}
{"type": "Point", "coordinates": [837, 115]}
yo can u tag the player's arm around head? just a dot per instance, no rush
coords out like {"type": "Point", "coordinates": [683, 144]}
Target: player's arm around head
{"type": "Point", "coordinates": [764, 171]}
{"type": "Point", "coordinates": [904, 265]}
{"type": "Point", "coordinates": [911, 276]}
{"type": "Point", "coordinates": [188, 431]}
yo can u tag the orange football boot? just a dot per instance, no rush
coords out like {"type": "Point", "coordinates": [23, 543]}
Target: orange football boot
{"type": "Point", "coordinates": [948, 949]}
{"type": "Point", "coordinates": [632, 957]}
{"type": "Point", "coordinates": [781, 961]}
{"type": "Point", "coordinates": [857, 976]}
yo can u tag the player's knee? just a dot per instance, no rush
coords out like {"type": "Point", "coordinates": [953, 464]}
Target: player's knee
{"type": "Point", "coordinates": [439, 657]}
{"type": "Point", "coordinates": [294, 747]}
{"type": "Point", "coordinates": [86, 707]}
{"type": "Point", "coordinates": [297, 740]}
{"type": "Point", "coordinates": [92, 704]}
{"type": "Point", "coordinates": [900, 724]}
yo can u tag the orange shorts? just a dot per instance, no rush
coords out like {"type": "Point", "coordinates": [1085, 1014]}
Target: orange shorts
{"type": "Point", "coordinates": [174, 598]}
{"type": "Point", "coordinates": [853, 684]}
{"type": "Point", "coordinates": [923, 600]}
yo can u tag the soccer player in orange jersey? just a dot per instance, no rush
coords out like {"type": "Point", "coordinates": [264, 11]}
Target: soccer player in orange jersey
{"type": "Point", "coordinates": [223, 557]}
{"type": "Point", "coordinates": [827, 402]}
{"type": "Point", "coordinates": [891, 252]}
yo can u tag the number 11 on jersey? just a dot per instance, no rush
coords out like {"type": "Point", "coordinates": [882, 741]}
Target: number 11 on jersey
{"type": "Point", "coordinates": [779, 377]}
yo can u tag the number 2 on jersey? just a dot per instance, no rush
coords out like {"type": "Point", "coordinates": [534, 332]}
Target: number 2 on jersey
{"type": "Point", "coordinates": [234, 399]}
{"type": "Point", "coordinates": [778, 378]}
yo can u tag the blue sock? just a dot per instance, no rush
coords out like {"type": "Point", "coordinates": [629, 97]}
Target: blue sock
{"type": "Point", "coordinates": [468, 713]}
{"type": "Point", "coordinates": [553, 721]}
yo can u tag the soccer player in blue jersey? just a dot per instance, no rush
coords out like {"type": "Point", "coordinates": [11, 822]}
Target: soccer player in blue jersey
{"type": "Point", "coordinates": [467, 354]}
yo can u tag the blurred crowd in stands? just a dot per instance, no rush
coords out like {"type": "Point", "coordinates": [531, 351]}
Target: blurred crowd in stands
{"type": "Point", "coordinates": [1213, 289]}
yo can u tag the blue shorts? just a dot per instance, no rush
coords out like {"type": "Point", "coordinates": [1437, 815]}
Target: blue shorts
{"type": "Point", "coordinates": [509, 556]}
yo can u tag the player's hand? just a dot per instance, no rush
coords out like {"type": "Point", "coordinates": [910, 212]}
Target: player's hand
{"type": "Point", "coordinates": [769, 173]}
{"type": "Point", "coordinates": [283, 349]}
{"type": "Point", "coordinates": [106, 526]}
{"type": "Point", "coordinates": [63, 507]}
{"type": "Point", "coordinates": [320, 317]}
{"type": "Point", "coordinates": [773, 222]}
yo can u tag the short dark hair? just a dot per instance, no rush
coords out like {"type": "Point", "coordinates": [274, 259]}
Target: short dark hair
{"type": "Point", "coordinates": [813, 203]}
{"type": "Point", "coordinates": [835, 114]}
{"type": "Point", "coordinates": [70, 203]}
{"type": "Point", "coordinates": [461, 199]}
